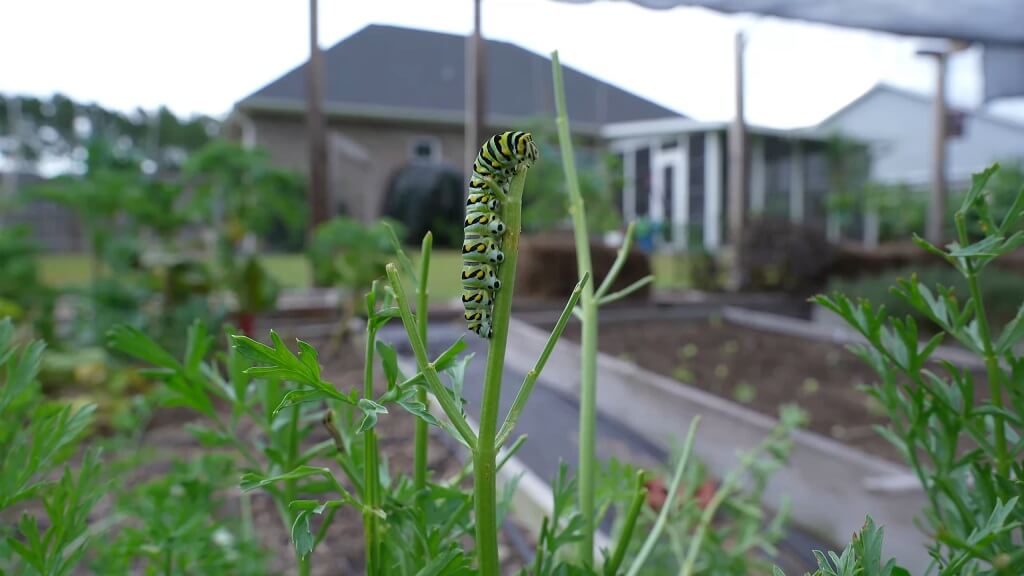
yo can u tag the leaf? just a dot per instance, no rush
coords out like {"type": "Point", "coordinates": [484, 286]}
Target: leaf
{"type": "Point", "coordinates": [207, 436]}
{"type": "Point", "coordinates": [197, 345]}
{"type": "Point", "coordinates": [986, 247]}
{"type": "Point", "coordinates": [370, 411]}
{"type": "Point", "coordinates": [448, 357]}
{"type": "Point", "coordinates": [302, 537]}
{"type": "Point", "coordinates": [978, 182]}
{"type": "Point", "coordinates": [1012, 333]}
{"type": "Point", "coordinates": [135, 343]}
{"type": "Point", "coordinates": [389, 360]}
{"type": "Point", "coordinates": [251, 480]}
{"type": "Point", "coordinates": [296, 397]}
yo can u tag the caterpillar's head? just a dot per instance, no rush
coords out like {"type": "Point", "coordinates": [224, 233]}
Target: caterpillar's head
{"type": "Point", "coordinates": [530, 150]}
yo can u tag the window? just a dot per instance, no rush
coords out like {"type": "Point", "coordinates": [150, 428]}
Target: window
{"type": "Point", "coordinates": [425, 150]}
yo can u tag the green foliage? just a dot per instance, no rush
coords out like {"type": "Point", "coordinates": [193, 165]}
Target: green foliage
{"type": "Point", "coordinates": [1001, 290]}
{"type": "Point", "coordinates": [964, 447]}
{"type": "Point", "coordinates": [862, 557]}
{"type": "Point", "coordinates": [345, 252]}
{"type": "Point", "coordinates": [36, 439]}
{"type": "Point", "coordinates": [22, 294]}
{"type": "Point", "coordinates": [57, 127]}
{"type": "Point", "coordinates": [184, 528]}
{"type": "Point", "coordinates": [546, 198]}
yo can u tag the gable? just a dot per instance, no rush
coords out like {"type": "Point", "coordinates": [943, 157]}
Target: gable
{"type": "Point", "coordinates": [391, 72]}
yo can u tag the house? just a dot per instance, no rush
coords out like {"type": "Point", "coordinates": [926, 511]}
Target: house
{"type": "Point", "coordinates": [674, 176]}
{"type": "Point", "coordinates": [397, 95]}
{"type": "Point", "coordinates": [898, 126]}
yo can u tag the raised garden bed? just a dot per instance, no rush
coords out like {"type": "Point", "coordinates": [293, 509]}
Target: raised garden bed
{"type": "Point", "coordinates": [831, 485]}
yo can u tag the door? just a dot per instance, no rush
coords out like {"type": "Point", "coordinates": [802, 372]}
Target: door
{"type": "Point", "coordinates": [669, 198]}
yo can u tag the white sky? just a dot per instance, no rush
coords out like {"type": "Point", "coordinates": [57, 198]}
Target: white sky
{"type": "Point", "coordinates": [203, 55]}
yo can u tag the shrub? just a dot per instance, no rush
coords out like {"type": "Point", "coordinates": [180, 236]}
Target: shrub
{"type": "Point", "coordinates": [777, 254]}
{"type": "Point", "coordinates": [547, 267]}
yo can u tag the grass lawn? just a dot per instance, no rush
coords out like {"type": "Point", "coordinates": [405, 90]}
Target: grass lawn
{"type": "Point", "coordinates": [292, 270]}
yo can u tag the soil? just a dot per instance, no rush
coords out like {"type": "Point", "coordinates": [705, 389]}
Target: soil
{"type": "Point", "coordinates": [342, 551]}
{"type": "Point", "coordinates": [760, 370]}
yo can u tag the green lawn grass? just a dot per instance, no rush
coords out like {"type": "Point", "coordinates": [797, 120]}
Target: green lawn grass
{"type": "Point", "coordinates": [292, 270]}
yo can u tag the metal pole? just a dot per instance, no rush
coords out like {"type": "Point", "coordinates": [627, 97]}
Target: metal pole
{"type": "Point", "coordinates": [476, 89]}
{"type": "Point", "coordinates": [737, 170]}
{"type": "Point", "coordinates": [937, 205]}
{"type": "Point", "coordinates": [319, 211]}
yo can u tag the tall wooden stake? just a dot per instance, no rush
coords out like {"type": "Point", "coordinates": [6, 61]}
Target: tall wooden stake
{"type": "Point", "coordinates": [319, 210]}
{"type": "Point", "coordinates": [476, 89]}
{"type": "Point", "coordinates": [937, 205]}
{"type": "Point", "coordinates": [737, 171]}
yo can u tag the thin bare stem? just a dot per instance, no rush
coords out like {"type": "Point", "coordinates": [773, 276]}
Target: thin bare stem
{"type": "Point", "coordinates": [425, 365]}
{"type": "Point", "coordinates": [625, 291]}
{"type": "Point", "coordinates": [673, 488]}
{"type": "Point", "coordinates": [620, 261]}
{"type": "Point", "coordinates": [586, 464]}
{"type": "Point", "coordinates": [531, 377]}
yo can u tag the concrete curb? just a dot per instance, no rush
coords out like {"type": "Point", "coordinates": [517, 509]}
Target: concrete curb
{"type": "Point", "coordinates": [832, 486]}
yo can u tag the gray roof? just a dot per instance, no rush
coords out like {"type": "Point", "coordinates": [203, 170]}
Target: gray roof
{"type": "Point", "coordinates": [404, 73]}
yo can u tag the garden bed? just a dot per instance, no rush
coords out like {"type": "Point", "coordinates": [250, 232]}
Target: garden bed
{"type": "Point", "coordinates": [760, 369]}
{"type": "Point", "coordinates": [166, 439]}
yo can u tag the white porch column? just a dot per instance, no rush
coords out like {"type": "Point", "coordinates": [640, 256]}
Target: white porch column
{"type": "Point", "coordinates": [712, 190]}
{"type": "Point", "coordinates": [757, 175]}
{"type": "Point", "coordinates": [629, 183]}
{"type": "Point", "coordinates": [797, 182]}
{"type": "Point", "coordinates": [681, 202]}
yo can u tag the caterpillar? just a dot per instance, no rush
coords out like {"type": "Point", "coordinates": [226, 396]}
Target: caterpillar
{"type": "Point", "coordinates": [501, 156]}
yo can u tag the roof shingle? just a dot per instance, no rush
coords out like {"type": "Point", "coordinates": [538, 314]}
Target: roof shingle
{"type": "Point", "coordinates": [412, 72]}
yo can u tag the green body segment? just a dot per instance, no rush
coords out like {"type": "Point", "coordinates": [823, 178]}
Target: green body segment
{"type": "Point", "coordinates": [477, 299]}
{"type": "Point", "coordinates": [479, 276]}
{"type": "Point", "coordinates": [484, 224]}
{"type": "Point", "coordinates": [481, 250]}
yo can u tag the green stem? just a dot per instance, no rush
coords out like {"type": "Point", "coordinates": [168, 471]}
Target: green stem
{"type": "Point", "coordinates": [620, 261]}
{"type": "Point", "coordinates": [993, 369]}
{"type": "Point", "coordinates": [485, 469]}
{"type": "Point", "coordinates": [639, 495]}
{"type": "Point", "coordinates": [673, 489]}
{"type": "Point", "coordinates": [371, 481]}
{"type": "Point", "coordinates": [531, 377]}
{"type": "Point", "coordinates": [586, 473]}
{"type": "Point", "coordinates": [419, 348]}
{"type": "Point", "coordinates": [420, 462]}
{"type": "Point", "coordinates": [723, 492]}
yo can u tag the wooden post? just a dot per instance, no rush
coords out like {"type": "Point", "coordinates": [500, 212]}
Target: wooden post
{"type": "Point", "coordinates": [319, 210]}
{"type": "Point", "coordinates": [937, 205]}
{"type": "Point", "coordinates": [476, 90]}
{"type": "Point", "coordinates": [737, 171]}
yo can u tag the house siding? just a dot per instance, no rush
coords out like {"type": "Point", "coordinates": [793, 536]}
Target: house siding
{"type": "Point", "coordinates": [358, 185]}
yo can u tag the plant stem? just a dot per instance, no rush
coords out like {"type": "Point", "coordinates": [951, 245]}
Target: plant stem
{"type": "Point", "coordinates": [673, 489]}
{"type": "Point", "coordinates": [371, 482]}
{"type": "Point", "coordinates": [484, 466]}
{"type": "Point", "coordinates": [420, 462]}
{"type": "Point", "coordinates": [419, 348]}
{"type": "Point", "coordinates": [586, 469]}
{"type": "Point", "coordinates": [993, 370]}
{"type": "Point", "coordinates": [531, 377]}
{"type": "Point", "coordinates": [639, 494]}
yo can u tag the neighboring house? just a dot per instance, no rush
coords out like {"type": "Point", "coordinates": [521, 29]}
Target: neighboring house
{"type": "Point", "coordinates": [899, 125]}
{"type": "Point", "coordinates": [674, 176]}
{"type": "Point", "coordinates": [397, 95]}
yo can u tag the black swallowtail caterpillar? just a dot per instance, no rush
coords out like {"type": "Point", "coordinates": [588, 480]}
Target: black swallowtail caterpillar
{"type": "Point", "coordinates": [499, 159]}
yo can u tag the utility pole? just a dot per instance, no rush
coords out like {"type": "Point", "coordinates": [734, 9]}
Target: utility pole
{"type": "Point", "coordinates": [319, 211]}
{"type": "Point", "coordinates": [476, 89]}
{"type": "Point", "coordinates": [940, 130]}
{"type": "Point", "coordinates": [738, 171]}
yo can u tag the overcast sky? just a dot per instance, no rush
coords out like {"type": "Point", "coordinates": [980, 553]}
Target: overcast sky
{"type": "Point", "coordinates": [203, 55]}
